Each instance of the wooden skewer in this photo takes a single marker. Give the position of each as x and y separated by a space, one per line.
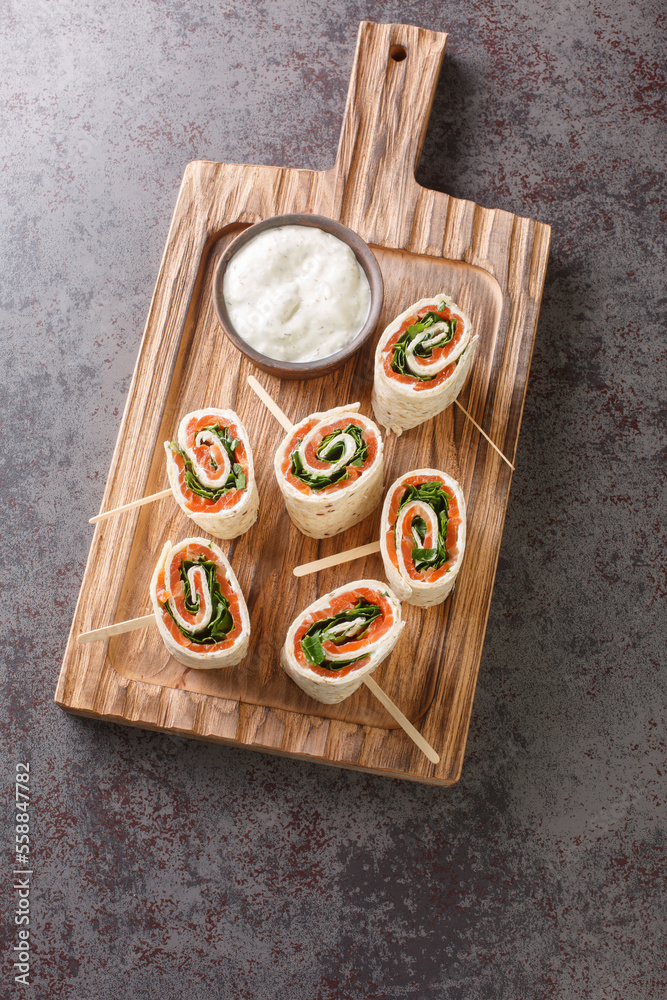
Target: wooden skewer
338 557
128 506
404 723
485 435
362 550
129 626
284 420
281 417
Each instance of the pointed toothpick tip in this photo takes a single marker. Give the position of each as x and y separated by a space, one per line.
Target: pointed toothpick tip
485 435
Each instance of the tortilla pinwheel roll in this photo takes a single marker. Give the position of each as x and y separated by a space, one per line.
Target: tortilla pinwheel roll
423 536
199 607
421 362
337 640
329 469
211 472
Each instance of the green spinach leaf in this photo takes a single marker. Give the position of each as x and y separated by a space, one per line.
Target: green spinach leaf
328 451
399 361
236 480
221 623
333 630
431 493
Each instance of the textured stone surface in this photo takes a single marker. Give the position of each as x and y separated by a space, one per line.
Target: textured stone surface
172 868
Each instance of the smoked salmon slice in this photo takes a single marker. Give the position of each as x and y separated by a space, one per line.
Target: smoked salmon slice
329 468
211 472
421 363
199 606
340 638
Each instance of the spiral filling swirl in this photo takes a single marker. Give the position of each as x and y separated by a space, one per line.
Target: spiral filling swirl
423 529
340 638
420 359
346 633
197 597
211 458
426 347
326 454
332 642
420 522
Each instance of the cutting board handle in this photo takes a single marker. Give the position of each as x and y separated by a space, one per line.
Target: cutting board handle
395 73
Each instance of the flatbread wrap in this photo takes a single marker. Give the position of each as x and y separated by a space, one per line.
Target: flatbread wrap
211 472
329 469
198 605
340 638
423 535
421 363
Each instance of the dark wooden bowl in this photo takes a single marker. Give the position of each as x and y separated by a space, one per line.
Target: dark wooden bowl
305 369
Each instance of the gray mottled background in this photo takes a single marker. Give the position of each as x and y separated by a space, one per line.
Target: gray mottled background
170 868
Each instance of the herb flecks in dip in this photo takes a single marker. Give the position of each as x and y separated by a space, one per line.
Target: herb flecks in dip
296 293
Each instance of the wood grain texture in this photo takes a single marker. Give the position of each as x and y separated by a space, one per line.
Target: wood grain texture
493 264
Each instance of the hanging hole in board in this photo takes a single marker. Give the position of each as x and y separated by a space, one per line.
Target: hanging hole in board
398 53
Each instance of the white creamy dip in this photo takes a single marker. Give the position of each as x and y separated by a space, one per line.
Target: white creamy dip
296 293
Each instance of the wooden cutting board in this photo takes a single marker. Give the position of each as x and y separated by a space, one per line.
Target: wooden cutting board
493 264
